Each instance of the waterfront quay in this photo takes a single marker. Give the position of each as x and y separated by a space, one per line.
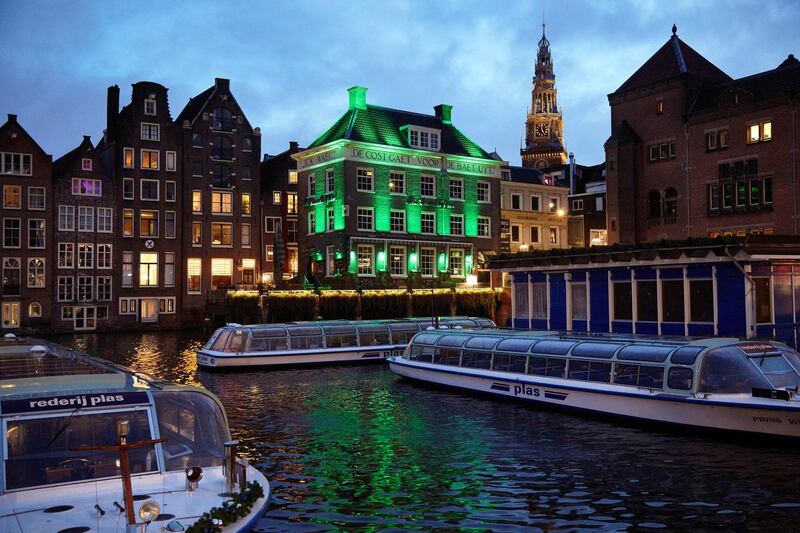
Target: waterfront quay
356 448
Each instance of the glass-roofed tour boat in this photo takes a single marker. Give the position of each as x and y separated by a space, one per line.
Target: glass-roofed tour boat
715 383
93 446
337 341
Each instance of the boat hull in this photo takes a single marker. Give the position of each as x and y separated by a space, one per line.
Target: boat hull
23 511
739 413
212 359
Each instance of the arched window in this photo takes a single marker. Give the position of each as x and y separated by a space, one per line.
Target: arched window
670 202
222 148
654 204
11 276
221 176
222 119
35 272
34 310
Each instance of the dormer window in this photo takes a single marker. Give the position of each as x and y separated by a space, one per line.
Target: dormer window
150 106
425 138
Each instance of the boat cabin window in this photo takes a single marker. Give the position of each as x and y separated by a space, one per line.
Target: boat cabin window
221 340
402 332
305 338
269 339
426 338
42 451
476 360
237 341
421 352
509 363
194 427
596 349
454 341
554 367
777 370
482 343
340 336
463 322
515 345
680 378
373 335
447 356
686 355
638 352
727 370
651 377
589 370
553 347
485 323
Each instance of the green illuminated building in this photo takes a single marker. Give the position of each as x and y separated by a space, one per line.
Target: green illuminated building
389 194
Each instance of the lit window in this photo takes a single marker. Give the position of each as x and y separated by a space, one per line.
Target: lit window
221 234
365 257
221 273
127 222
427 261
276 197
246 205
246 235
127 158
66 255
197 201
34 310
221 202
148 269
193 270
397 183
36 272
149 159
12 197
760 131
292 176
291 203
553 235
364 180
457 263
270 252
148 223
197 233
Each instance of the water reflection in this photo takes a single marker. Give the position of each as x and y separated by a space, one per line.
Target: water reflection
355 448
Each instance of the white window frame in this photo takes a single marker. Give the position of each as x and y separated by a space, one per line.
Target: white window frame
402 181
371 178
488 221
149 127
421 226
488 185
171 161
44 273
19 233
577 205
128 189
359 246
67 251
141 190
44 233
105 220
85 219
125 152
199 262
43 190
396 211
142 151
150 107
71 296
456 216
158 223
173 186
87 255
450 184
422 252
101 262
433 185
361 211
403 261
212 234
330 180
167 233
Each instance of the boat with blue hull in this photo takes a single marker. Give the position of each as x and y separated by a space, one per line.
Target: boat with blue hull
93 446
712 383
339 341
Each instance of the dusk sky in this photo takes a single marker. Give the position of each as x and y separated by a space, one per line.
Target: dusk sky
290 64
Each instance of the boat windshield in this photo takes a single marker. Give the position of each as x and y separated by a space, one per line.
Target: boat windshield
44 451
727 370
777 370
194 427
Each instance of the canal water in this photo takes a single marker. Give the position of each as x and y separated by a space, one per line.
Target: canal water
355 448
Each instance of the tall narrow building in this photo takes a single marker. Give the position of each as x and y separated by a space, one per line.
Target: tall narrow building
544 126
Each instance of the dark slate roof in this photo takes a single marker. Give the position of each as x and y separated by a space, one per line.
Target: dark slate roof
588 174
674 58
526 175
65 162
773 245
195 106
381 125
784 80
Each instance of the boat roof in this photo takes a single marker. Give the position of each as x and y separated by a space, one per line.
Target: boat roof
464 321
34 367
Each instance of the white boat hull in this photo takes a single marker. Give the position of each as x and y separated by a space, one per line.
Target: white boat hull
732 412
23 511
213 359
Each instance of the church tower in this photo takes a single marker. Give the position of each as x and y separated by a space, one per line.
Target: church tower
544 127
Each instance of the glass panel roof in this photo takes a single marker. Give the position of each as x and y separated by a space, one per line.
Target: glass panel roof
482 343
686 355
638 352
515 345
404 326
454 341
340 330
553 347
426 338
372 328
24 365
596 349
268 332
298 331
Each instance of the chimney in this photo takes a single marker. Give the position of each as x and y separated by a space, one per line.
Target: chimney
358 97
571 173
293 146
222 84
12 118
444 112
112 109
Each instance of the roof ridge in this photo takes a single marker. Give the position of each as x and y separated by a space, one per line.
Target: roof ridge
350 125
676 43
401 111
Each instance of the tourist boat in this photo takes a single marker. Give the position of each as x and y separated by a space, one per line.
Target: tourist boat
93 446
716 383
336 341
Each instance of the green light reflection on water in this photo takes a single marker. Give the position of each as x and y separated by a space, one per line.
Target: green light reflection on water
374 453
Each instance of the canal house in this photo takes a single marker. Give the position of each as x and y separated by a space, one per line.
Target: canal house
735 287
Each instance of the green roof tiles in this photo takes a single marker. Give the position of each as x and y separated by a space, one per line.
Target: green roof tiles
381 125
